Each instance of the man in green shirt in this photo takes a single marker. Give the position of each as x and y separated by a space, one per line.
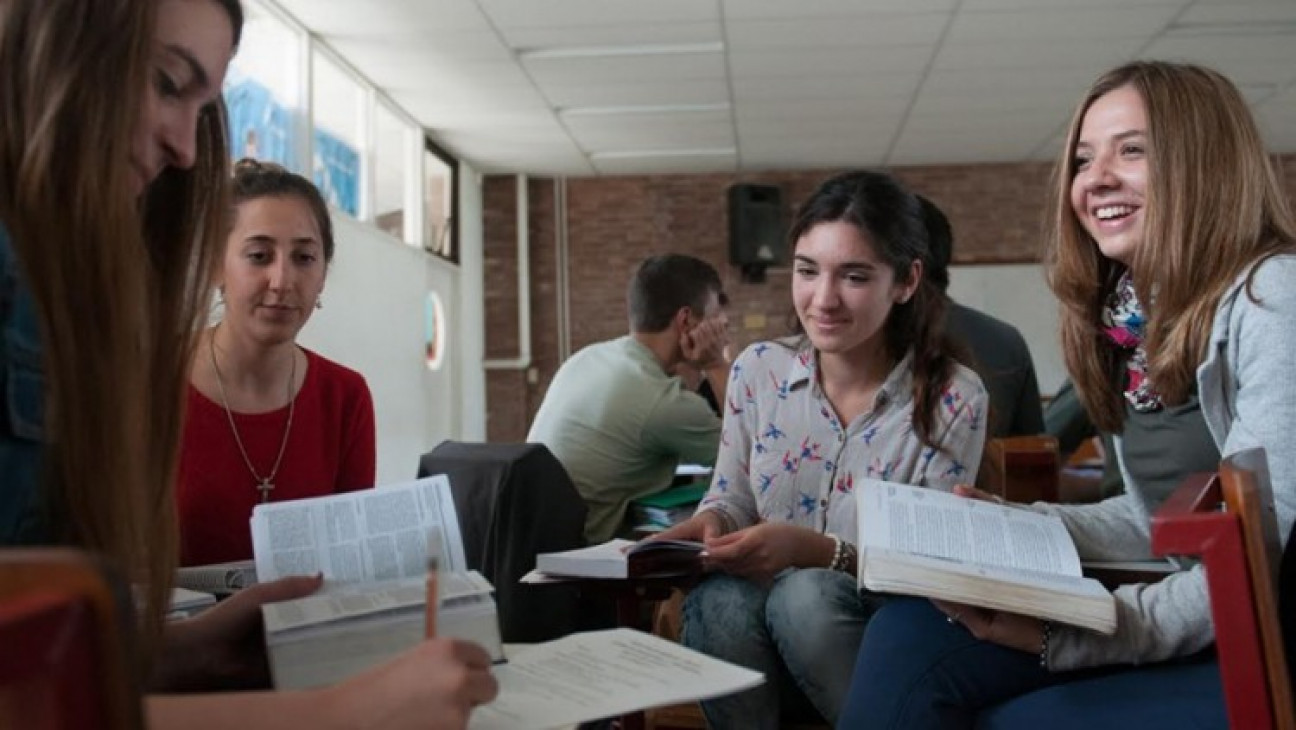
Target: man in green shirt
615 414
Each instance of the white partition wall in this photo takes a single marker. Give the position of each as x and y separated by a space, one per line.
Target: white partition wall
1019 295
373 321
471 350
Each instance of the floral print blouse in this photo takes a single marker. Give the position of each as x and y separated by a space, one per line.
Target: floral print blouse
785 456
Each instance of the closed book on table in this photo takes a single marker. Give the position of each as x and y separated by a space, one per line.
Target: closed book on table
625 559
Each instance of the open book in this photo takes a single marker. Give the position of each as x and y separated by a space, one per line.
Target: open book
220 579
624 559
372 547
925 542
600 674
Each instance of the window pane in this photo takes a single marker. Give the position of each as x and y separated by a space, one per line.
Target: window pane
262 90
338 104
438 199
392 150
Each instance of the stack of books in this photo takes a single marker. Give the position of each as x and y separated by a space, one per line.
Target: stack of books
665 509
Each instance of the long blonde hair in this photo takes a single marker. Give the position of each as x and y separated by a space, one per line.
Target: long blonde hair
1213 208
121 284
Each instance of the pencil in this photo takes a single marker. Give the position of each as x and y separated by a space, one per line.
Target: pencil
433 582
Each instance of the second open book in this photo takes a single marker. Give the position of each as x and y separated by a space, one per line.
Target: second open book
925 542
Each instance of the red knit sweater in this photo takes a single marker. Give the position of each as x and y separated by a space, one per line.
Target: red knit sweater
330 449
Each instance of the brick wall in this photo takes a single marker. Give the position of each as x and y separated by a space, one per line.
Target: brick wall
613 223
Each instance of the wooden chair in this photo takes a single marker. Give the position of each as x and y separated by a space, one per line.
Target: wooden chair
63 628
1021 468
1228 521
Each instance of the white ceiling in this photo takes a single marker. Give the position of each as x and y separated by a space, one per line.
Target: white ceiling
585 87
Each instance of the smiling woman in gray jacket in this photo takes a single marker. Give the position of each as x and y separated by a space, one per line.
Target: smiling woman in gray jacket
1172 254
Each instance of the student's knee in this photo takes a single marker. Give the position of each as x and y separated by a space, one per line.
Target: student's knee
811 600
720 611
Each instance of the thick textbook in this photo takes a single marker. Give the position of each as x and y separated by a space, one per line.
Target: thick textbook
372 547
322 639
624 559
925 542
219 579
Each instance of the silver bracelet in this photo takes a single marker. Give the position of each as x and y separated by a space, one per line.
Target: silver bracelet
843 554
1047 627
837 552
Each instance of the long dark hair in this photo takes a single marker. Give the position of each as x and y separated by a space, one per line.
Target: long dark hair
891 218
123 278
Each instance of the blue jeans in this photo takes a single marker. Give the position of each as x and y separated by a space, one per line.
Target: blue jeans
916 671
802 633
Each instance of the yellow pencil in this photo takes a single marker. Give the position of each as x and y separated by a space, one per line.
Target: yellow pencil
433 581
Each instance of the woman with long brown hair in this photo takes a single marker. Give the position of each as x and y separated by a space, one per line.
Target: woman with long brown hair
1172 247
868 388
112 183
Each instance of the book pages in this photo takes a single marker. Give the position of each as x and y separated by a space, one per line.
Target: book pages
363 536
944 525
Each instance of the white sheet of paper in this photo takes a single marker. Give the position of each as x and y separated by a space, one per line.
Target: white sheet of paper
600 674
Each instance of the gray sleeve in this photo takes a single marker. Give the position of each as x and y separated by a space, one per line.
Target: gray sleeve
1154 622
1113 529
1260 387
1172 618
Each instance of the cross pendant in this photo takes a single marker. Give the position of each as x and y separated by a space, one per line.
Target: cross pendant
265 487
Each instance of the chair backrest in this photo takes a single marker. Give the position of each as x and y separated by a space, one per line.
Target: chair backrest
1021 468
514 501
1228 521
64 632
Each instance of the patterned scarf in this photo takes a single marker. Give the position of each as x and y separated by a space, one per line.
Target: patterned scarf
1123 322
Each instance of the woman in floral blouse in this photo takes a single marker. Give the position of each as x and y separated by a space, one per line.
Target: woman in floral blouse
867 389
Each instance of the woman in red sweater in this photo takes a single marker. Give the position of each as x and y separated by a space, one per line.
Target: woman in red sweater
268 420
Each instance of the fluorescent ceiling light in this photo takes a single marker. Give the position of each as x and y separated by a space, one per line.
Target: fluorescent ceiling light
599 111
657 49
648 154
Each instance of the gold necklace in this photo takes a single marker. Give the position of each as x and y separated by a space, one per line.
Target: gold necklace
265 484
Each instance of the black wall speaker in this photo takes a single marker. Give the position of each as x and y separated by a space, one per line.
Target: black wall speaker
757 234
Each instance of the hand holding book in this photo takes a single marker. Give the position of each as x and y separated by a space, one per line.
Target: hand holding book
762 551
924 542
1015 631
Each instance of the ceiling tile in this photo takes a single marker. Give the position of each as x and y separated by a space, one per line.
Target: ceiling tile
863 61
885 89
766 9
651 131
509 14
625 69
1231 13
869 30
1037 54
1070 22
976 5
816 83
386 17
620 34
1251 59
664 165
641 93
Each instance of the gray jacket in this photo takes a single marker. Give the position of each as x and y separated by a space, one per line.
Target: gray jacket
1248 396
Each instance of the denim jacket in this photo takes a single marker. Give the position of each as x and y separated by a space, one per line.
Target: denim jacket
22 406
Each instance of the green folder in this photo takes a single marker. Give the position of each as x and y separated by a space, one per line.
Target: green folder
675 496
